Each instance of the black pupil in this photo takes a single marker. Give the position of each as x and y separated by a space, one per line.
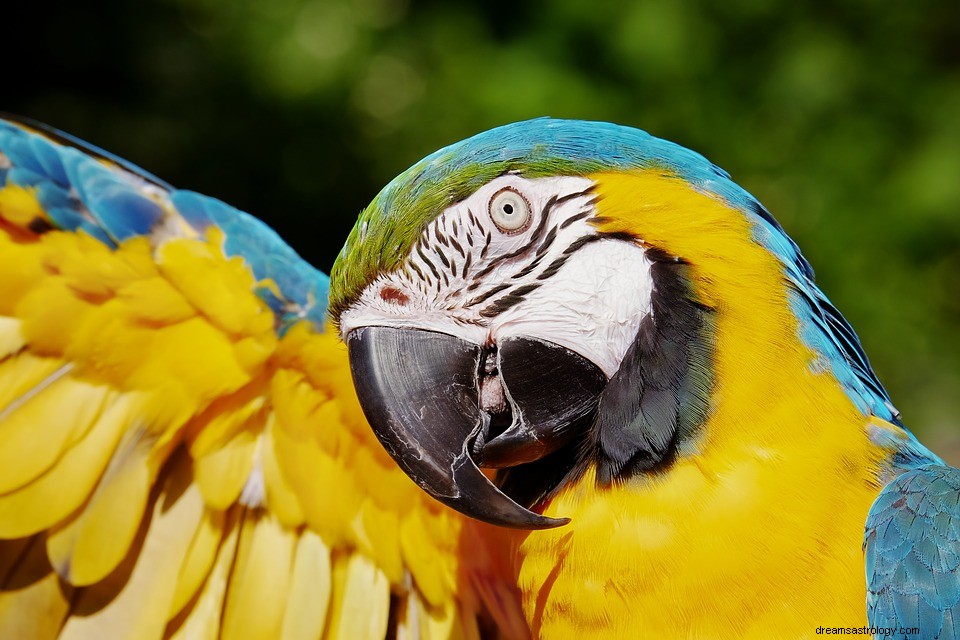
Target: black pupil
508 208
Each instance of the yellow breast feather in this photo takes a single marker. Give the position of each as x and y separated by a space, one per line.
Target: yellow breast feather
756 530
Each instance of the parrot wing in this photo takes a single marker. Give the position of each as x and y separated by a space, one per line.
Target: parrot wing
912 552
182 454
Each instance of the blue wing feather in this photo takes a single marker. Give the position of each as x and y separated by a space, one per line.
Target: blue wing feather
52 139
912 554
85 188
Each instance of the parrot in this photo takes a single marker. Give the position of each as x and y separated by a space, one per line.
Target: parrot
637 354
565 380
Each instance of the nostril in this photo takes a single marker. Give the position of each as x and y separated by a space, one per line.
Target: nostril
394 296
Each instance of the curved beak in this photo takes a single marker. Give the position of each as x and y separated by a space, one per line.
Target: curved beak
550 389
419 390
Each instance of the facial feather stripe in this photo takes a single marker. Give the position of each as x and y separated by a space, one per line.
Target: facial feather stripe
467 276
448 250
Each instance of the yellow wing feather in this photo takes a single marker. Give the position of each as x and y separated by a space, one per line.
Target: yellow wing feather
174 469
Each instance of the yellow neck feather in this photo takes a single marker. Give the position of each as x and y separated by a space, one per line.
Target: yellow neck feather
756 533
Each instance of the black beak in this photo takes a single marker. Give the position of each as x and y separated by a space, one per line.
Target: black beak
550 389
419 391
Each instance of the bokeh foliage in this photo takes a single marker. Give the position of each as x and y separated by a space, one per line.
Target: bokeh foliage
844 120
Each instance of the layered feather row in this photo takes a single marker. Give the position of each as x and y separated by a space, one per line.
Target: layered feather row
171 468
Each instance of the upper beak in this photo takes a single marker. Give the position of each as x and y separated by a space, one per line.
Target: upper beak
419 390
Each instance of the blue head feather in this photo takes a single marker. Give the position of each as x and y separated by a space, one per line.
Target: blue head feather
386 230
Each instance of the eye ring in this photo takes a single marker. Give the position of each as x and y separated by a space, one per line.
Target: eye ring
510 211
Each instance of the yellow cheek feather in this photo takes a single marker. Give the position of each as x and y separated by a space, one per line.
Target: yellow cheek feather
759 533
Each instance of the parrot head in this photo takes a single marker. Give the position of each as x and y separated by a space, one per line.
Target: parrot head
529 301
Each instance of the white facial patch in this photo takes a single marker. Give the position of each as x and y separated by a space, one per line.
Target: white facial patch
592 306
553 278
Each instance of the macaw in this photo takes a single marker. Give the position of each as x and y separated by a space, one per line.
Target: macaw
638 354
679 435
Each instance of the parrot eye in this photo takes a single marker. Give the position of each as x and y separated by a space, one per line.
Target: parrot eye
509 210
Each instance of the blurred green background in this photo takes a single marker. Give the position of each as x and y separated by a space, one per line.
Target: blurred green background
843 120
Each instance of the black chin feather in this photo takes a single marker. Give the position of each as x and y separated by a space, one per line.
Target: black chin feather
655 401
660 394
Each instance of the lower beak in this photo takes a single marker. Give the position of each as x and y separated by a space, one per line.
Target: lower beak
419 391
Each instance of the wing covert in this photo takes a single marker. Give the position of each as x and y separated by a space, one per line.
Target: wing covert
912 552
180 435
